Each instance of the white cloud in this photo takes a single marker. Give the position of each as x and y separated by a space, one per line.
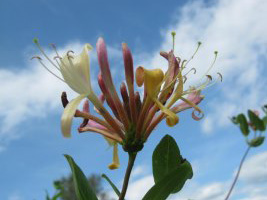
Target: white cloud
138 188
33 92
255 169
238 30
251 185
15 196
139 171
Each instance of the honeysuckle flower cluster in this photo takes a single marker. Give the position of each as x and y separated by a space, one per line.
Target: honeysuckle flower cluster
132 117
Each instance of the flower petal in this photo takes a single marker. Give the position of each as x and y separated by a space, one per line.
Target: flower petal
68 114
75 71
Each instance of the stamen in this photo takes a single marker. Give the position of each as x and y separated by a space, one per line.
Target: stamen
192 57
192 69
68 54
183 64
35 40
115 162
55 58
36 57
209 77
195 117
185 78
173 39
40 61
55 48
213 63
220 75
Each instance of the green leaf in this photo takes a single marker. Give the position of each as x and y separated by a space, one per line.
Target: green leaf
57 185
47 195
234 120
175 178
265 120
57 196
111 184
243 124
166 157
256 141
82 188
264 108
256 121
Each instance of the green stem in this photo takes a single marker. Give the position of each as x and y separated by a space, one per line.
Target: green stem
131 160
237 174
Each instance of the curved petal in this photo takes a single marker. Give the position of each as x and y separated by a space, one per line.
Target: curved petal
171 118
76 70
68 114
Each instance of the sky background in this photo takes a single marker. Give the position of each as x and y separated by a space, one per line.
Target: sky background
31 145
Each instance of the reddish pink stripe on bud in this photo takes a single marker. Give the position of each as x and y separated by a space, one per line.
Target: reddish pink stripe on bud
124 93
128 65
138 102
129 75
101 97
105 71
125 97
103 61
107 96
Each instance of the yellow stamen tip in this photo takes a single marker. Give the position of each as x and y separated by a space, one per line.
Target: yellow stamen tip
113 166
173 33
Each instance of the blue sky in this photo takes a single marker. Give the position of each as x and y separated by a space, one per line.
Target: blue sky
31 145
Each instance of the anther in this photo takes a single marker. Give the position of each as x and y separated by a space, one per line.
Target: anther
209 77
70 51
185 78
220 75
36 57
68 54
64 99
55 57
183 64
192 57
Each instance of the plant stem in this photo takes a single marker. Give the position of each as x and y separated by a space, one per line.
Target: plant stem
131 160
237 174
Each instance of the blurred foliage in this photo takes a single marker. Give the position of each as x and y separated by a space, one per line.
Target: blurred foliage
253 122
65 188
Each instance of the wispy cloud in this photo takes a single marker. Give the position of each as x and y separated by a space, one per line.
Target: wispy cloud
238 30
251 185
30 92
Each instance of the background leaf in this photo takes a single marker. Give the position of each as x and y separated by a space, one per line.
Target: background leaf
176 178
82 188
256 141
256 121
243 124
111 184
